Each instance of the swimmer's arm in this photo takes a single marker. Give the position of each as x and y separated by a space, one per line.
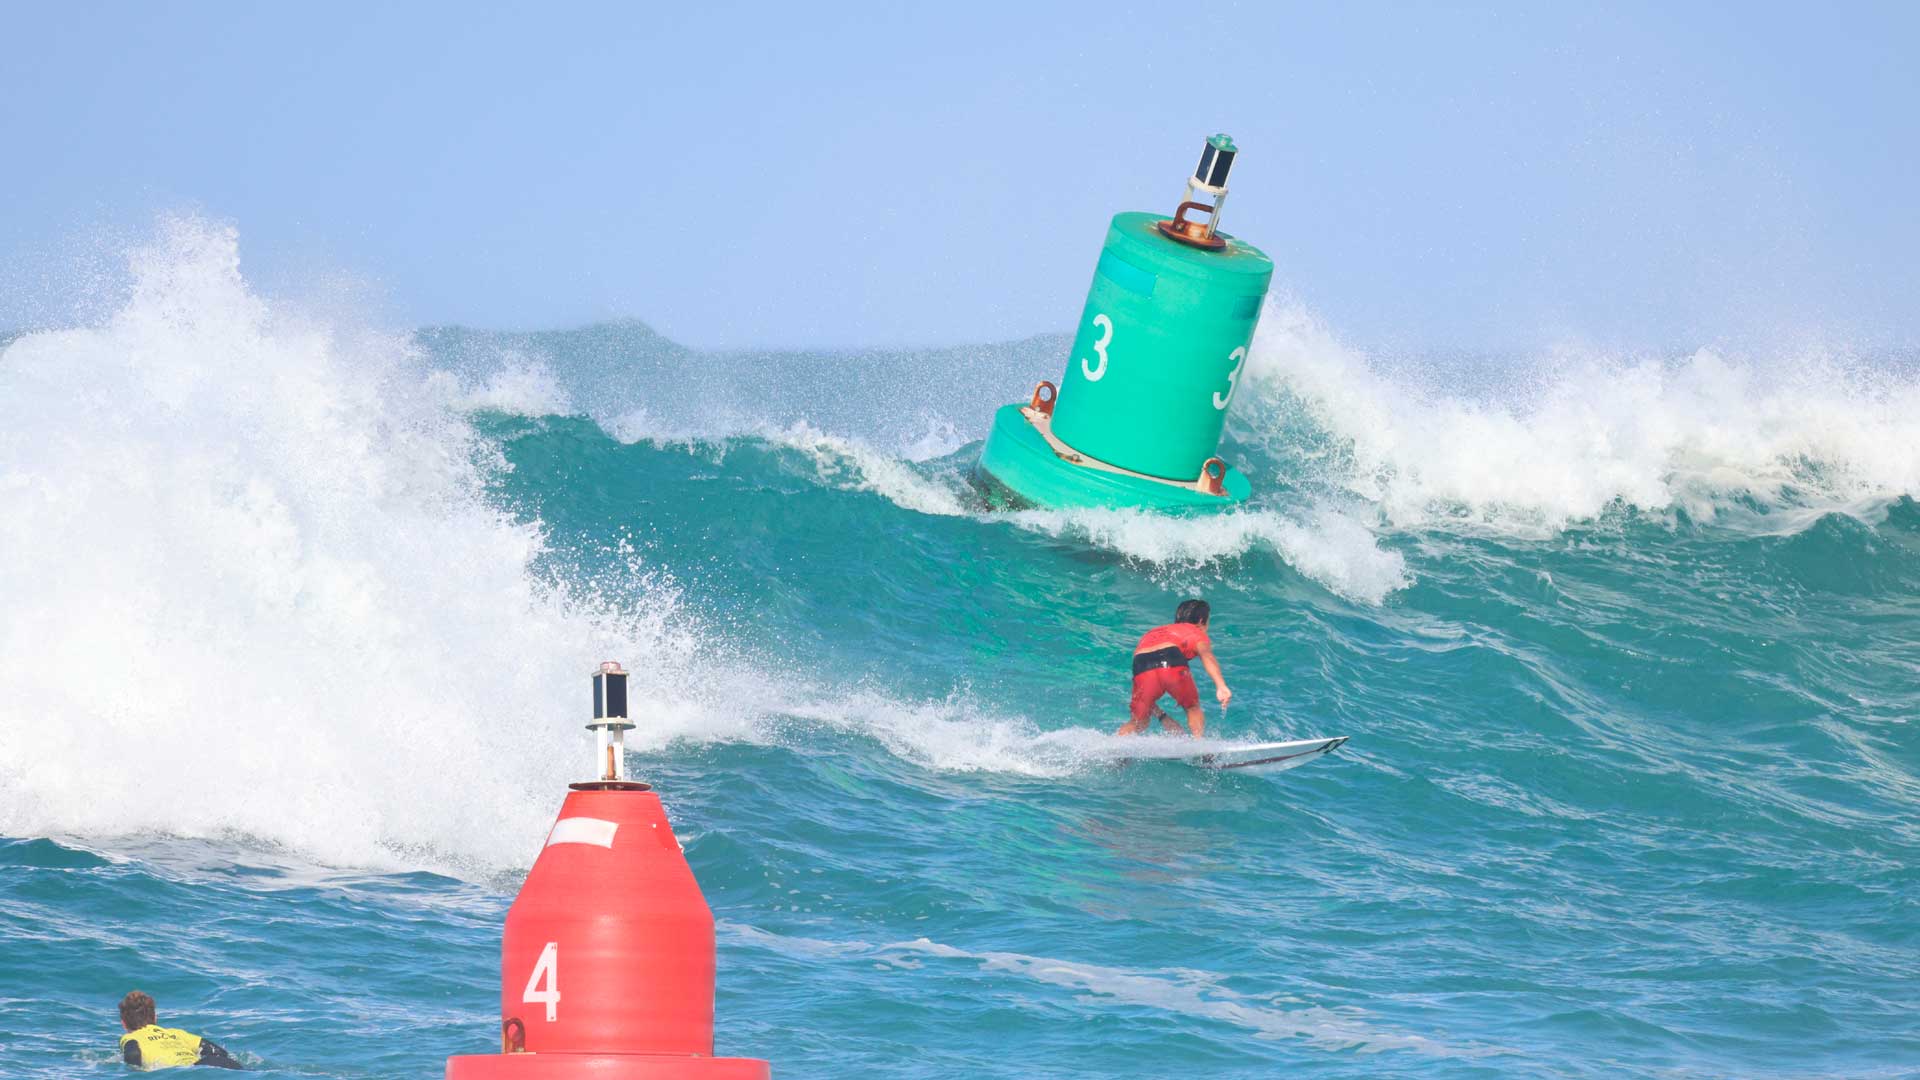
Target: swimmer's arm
131 1053
1220 690
215 1055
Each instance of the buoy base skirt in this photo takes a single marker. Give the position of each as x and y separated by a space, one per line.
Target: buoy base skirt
603 1067
1018 470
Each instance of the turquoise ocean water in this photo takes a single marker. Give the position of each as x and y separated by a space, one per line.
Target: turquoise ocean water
295 619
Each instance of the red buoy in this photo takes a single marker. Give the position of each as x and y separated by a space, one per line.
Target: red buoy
607 962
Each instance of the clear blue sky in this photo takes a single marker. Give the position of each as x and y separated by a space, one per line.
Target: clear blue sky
1656 175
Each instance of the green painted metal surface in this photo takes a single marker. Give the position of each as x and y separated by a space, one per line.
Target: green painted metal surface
1160 348
1019 470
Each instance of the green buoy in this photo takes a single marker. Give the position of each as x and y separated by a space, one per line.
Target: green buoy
1155 365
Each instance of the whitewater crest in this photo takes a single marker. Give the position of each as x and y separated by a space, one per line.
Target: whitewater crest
1337 548
250 554
1334 545
1566 439
847 462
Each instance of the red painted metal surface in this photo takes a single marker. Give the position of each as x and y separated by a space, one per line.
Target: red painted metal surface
607 962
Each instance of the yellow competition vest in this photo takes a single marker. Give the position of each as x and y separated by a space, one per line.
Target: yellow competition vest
164 1048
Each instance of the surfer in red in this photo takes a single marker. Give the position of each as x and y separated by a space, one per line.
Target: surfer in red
1160 667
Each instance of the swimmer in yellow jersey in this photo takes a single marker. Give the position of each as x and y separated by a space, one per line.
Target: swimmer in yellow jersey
147 1045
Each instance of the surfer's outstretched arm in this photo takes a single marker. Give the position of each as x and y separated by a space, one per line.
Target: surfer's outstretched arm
1220 691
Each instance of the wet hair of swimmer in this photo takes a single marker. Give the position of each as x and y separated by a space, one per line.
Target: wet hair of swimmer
136 1011
1193 611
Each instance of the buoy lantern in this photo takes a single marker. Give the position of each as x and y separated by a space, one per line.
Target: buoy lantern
607 960
1155 365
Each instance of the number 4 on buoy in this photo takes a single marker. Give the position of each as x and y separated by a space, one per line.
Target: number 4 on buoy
546 968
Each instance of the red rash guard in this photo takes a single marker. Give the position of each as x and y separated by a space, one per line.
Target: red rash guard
1186 636
1177 680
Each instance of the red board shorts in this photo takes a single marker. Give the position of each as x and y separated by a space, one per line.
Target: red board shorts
1150 684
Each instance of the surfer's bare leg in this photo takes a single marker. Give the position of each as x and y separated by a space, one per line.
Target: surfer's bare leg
1196 721
1166 722
1133 727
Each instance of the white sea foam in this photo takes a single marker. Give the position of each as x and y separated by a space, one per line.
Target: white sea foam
1335 548
1185 991
524 387
1580 434
953 734
847 462
1191 992
852 463
644 425
938 438
251 587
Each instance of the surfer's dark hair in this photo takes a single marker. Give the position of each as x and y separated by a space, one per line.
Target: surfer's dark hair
1193 611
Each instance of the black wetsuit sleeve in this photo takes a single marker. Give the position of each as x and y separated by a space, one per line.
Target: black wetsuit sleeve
130 1053
215 1055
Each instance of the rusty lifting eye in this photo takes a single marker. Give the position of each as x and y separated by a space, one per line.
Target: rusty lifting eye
1044 396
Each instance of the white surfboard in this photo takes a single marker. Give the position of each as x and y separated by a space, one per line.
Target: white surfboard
1266 757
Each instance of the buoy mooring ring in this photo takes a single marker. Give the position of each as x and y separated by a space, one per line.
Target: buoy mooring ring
1213 476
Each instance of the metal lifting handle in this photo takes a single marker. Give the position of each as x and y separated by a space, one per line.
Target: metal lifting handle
1213 477
1193 232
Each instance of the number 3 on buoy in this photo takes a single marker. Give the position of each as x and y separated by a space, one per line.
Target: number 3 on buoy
547 968
1093 374
1239 358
